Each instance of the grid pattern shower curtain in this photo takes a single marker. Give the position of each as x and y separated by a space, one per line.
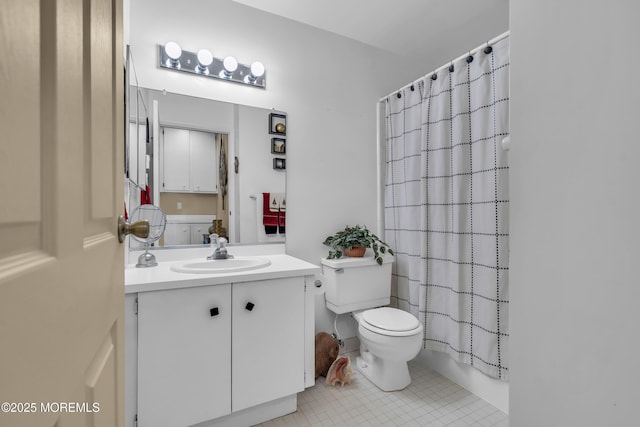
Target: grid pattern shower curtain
447 207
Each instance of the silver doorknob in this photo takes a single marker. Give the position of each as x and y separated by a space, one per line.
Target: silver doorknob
138 229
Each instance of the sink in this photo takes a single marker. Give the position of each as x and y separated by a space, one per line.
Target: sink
213 266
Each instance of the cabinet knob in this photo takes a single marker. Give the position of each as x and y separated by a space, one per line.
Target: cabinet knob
214 311
249 306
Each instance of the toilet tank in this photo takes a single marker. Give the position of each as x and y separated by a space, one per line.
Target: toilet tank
356 283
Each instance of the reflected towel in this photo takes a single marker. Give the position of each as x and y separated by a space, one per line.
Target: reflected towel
269 218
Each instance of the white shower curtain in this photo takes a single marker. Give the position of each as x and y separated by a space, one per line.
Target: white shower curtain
447 207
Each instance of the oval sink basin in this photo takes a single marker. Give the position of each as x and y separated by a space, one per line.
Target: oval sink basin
213 266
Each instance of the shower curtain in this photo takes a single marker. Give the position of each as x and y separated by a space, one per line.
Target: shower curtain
447 206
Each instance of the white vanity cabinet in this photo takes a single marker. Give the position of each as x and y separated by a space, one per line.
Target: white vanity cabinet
209 351
187 229
189 161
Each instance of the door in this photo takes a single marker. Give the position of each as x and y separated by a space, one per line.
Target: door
175 164
184 356
197 233
61 167
203 166
267 341
177 234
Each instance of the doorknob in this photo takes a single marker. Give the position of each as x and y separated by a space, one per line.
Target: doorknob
138 229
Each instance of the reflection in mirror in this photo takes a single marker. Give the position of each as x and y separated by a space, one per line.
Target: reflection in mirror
211 163
137 130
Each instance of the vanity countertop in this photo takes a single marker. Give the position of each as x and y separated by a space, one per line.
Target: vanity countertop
163 277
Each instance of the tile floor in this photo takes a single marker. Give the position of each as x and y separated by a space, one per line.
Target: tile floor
430 400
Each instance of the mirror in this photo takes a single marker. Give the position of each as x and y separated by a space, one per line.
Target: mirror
213 160
136 130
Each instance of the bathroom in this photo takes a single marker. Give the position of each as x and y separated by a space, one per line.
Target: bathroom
574 207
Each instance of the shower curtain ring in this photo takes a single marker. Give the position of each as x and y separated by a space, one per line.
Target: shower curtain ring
469 58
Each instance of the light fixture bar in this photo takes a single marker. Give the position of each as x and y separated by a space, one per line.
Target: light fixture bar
188 63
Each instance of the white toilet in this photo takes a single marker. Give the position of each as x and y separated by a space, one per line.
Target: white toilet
389 337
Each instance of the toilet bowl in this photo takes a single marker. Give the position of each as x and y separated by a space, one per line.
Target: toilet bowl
389 338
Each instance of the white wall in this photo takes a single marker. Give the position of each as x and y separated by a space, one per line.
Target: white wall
575 126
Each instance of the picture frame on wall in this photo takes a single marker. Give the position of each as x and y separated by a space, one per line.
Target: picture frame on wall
279 163
277 124
278 146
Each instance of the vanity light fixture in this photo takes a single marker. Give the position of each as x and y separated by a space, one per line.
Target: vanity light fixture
173 52
203 63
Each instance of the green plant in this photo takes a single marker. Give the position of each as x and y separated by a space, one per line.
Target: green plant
356 236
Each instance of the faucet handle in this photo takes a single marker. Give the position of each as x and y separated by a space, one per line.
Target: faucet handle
221 242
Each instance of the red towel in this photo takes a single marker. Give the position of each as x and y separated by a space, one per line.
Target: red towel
269 219
145 196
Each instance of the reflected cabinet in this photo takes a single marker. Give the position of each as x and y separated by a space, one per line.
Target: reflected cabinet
188 163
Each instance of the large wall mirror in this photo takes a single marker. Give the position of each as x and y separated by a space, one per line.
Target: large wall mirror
208 160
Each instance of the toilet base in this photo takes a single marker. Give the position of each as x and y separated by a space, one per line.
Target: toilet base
386 375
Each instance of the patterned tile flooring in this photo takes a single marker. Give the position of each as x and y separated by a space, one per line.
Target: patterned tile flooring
430 400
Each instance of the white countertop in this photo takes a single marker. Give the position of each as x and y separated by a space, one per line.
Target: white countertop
163 277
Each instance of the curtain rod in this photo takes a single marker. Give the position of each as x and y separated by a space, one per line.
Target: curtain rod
471 52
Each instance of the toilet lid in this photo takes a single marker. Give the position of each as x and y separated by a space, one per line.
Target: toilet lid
391 319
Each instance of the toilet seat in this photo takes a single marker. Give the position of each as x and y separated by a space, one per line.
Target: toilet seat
390 322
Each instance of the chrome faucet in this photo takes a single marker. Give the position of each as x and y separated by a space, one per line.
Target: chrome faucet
221 250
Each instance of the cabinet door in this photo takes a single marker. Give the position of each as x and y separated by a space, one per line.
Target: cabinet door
267 341
175 167
184 355
197 230
177 234
203 165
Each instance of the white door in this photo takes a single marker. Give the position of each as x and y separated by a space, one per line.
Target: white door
61 167
184 356
177 234
203 164
267 341
197 232
175 164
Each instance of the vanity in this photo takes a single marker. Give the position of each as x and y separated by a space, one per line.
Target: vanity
215 344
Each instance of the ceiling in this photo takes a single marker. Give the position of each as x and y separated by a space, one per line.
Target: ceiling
403 27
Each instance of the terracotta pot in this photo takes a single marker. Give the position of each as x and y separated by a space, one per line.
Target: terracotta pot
357 251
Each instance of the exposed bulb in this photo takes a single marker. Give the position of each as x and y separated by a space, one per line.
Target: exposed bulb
205 58
173 51
257 69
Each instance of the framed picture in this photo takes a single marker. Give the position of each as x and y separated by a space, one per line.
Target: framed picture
277 124
278 146
279 163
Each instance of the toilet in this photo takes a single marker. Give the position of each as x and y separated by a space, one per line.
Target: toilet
389 337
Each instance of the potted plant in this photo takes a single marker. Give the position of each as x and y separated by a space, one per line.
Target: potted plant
354 241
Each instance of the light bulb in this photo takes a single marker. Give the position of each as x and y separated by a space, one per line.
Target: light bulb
230 65
205 58
257 69
173 51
